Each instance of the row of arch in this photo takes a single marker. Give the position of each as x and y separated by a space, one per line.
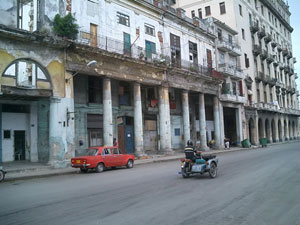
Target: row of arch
273 130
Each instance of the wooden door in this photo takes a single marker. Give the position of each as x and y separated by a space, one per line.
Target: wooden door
127 44
209 60
94 33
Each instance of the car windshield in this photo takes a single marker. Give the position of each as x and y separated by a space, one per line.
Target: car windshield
90 151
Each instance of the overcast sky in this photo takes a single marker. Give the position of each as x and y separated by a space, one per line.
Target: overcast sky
295 23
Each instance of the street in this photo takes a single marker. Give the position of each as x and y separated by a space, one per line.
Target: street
259 186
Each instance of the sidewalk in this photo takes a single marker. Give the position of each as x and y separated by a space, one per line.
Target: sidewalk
26 170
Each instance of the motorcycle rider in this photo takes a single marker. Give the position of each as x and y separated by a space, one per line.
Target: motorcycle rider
189 150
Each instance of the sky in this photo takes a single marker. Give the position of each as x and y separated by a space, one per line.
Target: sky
295 23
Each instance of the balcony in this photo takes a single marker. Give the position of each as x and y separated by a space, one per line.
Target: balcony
285 52
235 50
270 58
274 44
279 48
291 71
254 27
224 45
256 50
261 33
192 67
289 55
294 60
233 98
268 38
260 76
273 107
296 76
264 54
281 65
230 70
272 81
275 63
279 84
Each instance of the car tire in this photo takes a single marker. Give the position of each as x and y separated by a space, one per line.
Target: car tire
2 175
213 170
83 170
100 168
129 163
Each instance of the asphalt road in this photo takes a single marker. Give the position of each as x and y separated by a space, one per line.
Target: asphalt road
256 187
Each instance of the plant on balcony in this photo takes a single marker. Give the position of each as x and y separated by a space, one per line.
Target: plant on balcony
65 26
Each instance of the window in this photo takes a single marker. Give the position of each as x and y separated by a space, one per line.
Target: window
95 129
123 19
175 50
222 8
230 39
243 34
241 10
149 29
94 90
6 134
222 58
150 49
200 13
246 61
207 11
219 32
262 10
193 53
27 15
193 13
258 94
26 72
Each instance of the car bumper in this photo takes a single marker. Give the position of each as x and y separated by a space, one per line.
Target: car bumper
81 165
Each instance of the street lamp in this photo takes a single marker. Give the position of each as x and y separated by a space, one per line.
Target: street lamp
89 64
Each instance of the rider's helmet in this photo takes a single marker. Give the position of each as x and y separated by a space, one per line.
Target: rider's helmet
189 143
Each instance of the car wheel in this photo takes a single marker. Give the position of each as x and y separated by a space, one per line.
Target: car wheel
213 170
84 170
184 173
2 175
100 168
129 163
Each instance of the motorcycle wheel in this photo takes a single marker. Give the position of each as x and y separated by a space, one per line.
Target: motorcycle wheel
213 170
2 175
184 174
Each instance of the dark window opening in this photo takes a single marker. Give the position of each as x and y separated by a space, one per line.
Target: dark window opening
222 8
6 134
124 94
94 90
175 50
207 11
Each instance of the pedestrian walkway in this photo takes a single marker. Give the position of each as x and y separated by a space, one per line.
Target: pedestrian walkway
24 170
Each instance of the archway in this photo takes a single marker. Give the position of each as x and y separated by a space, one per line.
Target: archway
268 131
273 130
260 129
285 131
280 130
251 131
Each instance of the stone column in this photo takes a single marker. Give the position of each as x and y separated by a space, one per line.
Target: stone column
186 116
281 138
33 132
107 113
194 125
239 125
217 137
164 120
256 133
56 144
202 120
138 121
263 128
222 132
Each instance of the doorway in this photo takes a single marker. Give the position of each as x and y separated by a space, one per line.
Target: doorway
19 145
126 135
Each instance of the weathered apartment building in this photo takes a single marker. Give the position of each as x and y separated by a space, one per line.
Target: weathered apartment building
264 33
156 82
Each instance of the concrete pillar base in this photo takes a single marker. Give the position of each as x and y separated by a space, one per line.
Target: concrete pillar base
166 152
59 164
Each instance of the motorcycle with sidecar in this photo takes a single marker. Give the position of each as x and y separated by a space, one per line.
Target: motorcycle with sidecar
197 163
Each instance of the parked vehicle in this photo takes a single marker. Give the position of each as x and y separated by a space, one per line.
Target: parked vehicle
2 174
100 158
196 163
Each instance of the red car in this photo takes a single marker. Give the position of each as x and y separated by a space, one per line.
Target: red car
101 157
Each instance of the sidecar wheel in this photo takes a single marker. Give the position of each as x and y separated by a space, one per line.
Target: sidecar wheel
213 170
2 175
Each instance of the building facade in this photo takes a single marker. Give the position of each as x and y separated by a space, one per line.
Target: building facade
264 34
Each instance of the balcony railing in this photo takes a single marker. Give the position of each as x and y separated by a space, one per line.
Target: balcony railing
256 50
139 53
230 70
270 58
268 38
233 98
261 33
254 27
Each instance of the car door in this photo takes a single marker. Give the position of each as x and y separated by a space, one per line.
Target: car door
107 157
117 156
